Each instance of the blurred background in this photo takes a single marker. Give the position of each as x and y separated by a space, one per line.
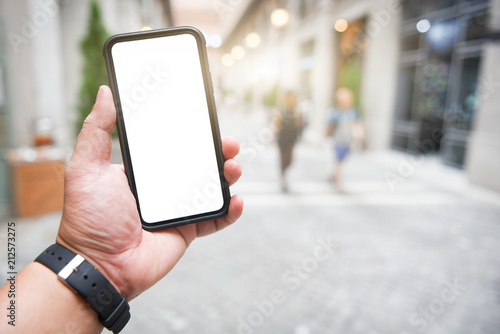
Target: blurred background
408 246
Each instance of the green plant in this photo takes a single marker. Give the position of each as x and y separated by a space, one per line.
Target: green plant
248 96
94 67
271 98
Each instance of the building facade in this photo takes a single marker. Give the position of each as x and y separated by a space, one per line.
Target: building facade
423 71
433 91
41 64
308 55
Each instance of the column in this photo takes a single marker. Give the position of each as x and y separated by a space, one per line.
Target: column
483 152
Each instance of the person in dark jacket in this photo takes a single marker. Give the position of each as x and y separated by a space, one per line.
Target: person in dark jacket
287 124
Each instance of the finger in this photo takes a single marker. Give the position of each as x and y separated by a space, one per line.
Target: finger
230 147
234 212
93 145
232 171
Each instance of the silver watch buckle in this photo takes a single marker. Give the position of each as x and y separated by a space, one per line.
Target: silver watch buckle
70 268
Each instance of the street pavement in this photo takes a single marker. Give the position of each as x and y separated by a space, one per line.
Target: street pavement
408 247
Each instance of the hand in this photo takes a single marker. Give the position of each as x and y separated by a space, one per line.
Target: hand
100 218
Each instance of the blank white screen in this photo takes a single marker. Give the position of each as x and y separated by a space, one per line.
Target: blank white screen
168 128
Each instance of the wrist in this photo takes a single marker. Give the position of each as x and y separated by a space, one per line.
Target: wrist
63 311
92 257
83 278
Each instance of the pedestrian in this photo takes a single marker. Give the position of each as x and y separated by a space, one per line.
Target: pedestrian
305 108
346 129
287 124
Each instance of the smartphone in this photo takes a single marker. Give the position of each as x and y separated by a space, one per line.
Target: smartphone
167 125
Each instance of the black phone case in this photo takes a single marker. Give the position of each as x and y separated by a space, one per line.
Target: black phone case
207 79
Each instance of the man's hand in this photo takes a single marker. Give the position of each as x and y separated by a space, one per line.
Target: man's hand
100 218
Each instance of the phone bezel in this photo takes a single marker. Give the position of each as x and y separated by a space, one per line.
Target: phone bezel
122 135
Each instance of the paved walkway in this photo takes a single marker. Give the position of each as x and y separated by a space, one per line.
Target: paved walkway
410 247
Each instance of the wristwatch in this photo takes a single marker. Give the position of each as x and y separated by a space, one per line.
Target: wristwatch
85 280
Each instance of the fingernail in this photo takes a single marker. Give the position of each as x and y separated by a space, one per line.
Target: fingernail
99 94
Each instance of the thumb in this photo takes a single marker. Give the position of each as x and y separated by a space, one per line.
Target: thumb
93 145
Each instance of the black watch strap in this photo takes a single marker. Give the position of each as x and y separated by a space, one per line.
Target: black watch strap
84 279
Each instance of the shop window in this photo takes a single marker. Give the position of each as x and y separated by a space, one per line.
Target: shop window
405 93
467 98
442 38
412 9
454 153
476 2
411 42
460 116
438 76
476 27
434 5
433 88
400 141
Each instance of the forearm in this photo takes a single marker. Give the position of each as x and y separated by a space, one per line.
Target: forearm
45 305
